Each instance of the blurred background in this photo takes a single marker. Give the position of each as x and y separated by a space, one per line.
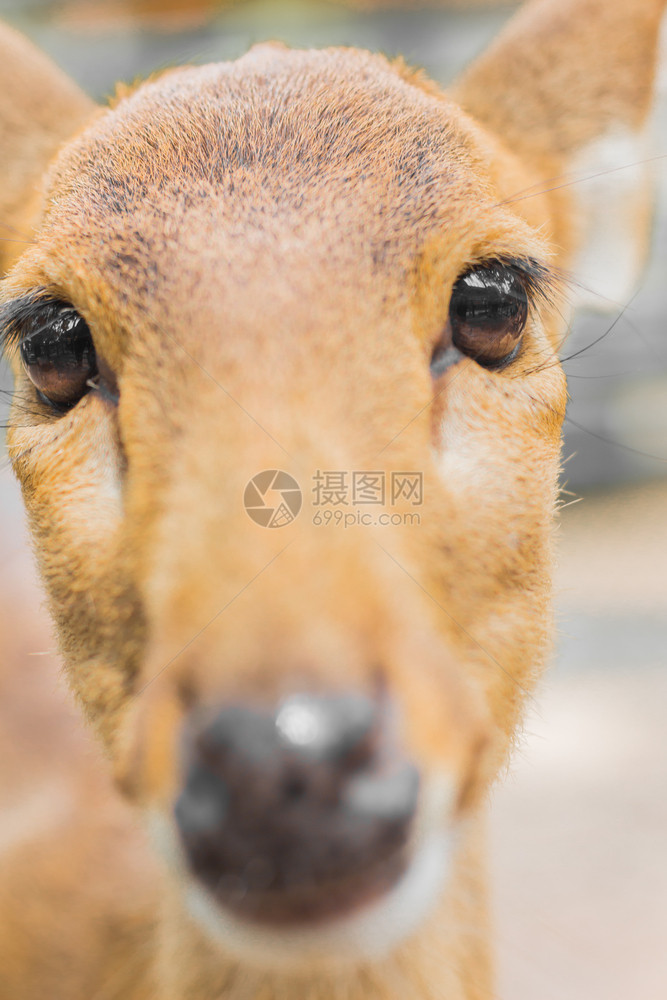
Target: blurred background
579 829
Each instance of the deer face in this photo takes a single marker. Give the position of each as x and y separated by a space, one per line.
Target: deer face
299 262
295 266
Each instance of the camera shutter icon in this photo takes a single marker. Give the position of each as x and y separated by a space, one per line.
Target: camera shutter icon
272 498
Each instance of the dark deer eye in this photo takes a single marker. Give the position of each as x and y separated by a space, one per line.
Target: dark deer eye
58 354
487 314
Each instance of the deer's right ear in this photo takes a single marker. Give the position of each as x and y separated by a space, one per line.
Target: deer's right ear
568 87
40 108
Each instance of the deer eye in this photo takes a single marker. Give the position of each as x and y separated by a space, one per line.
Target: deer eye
58 354
487 314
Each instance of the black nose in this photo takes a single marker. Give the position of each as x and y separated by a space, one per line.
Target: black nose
299 813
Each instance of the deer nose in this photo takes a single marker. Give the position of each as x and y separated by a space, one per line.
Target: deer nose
299 813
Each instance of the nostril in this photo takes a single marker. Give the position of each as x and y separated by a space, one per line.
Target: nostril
201 807
245 733
294 788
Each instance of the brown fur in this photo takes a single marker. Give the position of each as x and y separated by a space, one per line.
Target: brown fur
265 251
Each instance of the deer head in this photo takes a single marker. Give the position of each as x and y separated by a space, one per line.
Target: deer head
309 283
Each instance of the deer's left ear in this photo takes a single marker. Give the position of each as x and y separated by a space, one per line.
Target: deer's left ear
568 87
40 107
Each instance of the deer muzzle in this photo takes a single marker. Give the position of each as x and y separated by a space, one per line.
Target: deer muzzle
299 812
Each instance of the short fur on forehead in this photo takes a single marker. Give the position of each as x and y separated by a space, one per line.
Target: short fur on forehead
358 161
301 115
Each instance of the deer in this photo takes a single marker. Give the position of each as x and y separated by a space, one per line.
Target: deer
231 280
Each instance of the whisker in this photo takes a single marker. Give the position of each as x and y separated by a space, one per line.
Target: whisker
25 406
615 444
553 361
570 503
602 336
28 411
